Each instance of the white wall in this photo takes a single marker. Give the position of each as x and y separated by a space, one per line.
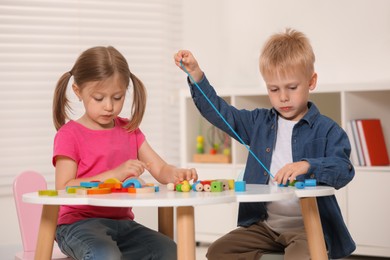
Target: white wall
351 38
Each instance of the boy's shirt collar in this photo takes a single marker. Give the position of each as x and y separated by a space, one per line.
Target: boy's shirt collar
309 117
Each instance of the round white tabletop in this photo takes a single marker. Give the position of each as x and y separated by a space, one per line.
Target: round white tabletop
162 198
165 198
262 193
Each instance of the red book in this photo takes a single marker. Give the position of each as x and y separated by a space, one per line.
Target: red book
373 142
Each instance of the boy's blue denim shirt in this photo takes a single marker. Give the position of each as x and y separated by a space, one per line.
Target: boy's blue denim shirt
315 138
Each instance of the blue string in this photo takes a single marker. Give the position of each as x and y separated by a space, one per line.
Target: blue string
224 120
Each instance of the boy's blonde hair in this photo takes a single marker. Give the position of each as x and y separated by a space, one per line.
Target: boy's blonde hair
97 64
287 52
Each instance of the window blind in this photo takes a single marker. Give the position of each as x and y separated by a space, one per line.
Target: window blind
40 40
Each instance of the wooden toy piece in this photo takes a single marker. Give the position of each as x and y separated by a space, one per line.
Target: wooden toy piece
178 187
62 192
310 182
292 183
185 187
94 191
231 184
171 186
288 183
143 183
299 185
72 189
225 183
226 151
146 190
240 186
111 185
216 186
48 193
81 191
133 182
112 180
200 144
141 190
213 151
206 185
214 139
155 187
197 186
89 184
119 190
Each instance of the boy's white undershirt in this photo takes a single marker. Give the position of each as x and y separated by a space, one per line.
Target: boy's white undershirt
284 215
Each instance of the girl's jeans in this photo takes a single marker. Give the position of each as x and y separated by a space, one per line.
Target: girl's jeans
100 238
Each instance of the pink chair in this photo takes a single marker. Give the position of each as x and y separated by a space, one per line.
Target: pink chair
29 215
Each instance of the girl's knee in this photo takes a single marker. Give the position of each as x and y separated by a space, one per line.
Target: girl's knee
167 250
102 252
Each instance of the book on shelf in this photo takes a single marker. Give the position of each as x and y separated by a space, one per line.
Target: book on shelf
355 158
367 138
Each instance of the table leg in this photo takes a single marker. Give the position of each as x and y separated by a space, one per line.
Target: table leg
165 221
185 233
46 232
312 222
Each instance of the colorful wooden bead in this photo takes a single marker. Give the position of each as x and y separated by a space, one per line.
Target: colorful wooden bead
216 186
240 186
310 182
299 185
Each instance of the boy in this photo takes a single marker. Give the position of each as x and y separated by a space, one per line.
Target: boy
294 141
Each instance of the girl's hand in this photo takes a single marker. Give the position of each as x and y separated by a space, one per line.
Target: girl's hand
181 174
290 171
190 64
130 168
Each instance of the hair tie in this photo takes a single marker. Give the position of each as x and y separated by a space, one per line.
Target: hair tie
70 72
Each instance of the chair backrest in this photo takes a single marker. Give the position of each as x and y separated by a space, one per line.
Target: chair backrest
29 215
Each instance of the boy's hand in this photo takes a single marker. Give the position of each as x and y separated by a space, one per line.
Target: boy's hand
290 171
190 64
185 174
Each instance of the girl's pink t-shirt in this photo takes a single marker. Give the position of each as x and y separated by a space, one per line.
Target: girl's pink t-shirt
96 151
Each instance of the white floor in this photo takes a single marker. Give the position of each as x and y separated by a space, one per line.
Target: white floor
8 253
202 249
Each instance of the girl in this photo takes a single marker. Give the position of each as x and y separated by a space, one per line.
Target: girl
101 145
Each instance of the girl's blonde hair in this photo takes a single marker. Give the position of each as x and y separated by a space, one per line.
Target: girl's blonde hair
287 52
97 64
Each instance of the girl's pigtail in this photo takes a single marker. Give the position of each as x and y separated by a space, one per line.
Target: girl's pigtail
139 103
60 101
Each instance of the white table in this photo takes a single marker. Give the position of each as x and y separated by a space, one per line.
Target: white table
184 203
165 200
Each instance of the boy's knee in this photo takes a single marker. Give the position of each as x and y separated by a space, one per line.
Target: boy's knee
215 250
